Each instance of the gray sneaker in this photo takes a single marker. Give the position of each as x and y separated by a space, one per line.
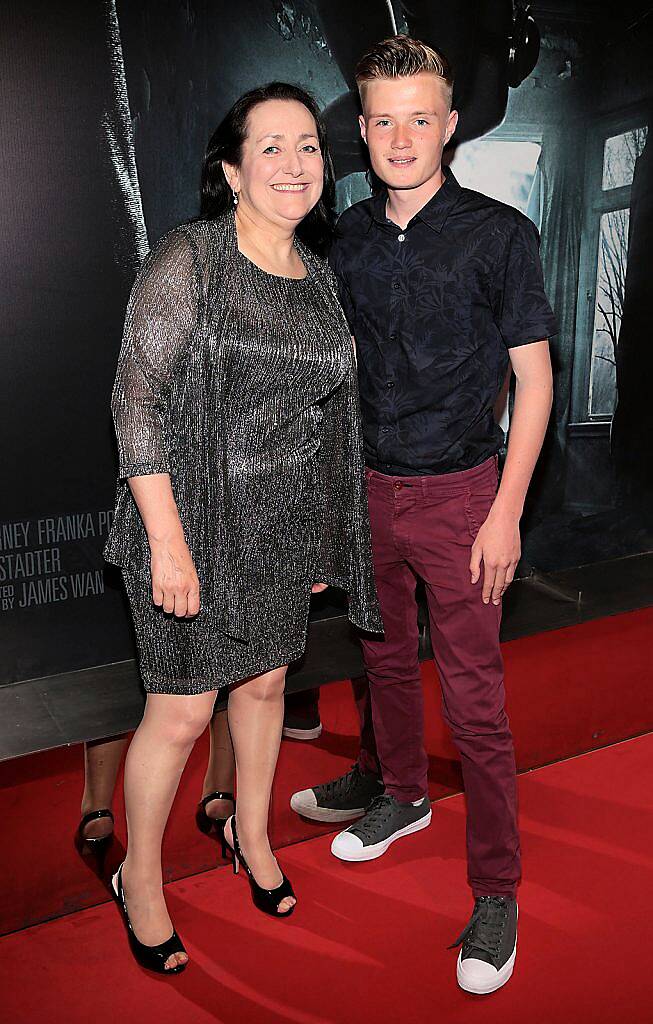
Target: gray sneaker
386 820
340 800
489 945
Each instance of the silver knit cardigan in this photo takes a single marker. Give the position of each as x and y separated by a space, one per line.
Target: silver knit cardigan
173 385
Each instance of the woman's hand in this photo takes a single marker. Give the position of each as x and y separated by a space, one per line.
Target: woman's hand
317 588
175 585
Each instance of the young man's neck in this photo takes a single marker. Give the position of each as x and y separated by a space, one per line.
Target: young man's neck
404 203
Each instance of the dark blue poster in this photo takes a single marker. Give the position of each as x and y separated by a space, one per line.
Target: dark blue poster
107 108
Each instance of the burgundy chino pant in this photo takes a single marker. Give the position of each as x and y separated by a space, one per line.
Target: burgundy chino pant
425 527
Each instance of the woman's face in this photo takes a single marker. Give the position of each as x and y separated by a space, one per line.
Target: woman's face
281 173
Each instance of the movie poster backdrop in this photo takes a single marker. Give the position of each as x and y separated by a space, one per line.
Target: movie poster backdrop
107 107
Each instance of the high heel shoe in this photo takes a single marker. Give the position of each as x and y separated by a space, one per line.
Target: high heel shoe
210 826
97 845
153 958
267 900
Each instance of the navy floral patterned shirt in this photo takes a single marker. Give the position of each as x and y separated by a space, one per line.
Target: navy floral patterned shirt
434 309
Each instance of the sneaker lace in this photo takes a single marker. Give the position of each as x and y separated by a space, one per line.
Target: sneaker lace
342 787
486 926
377 814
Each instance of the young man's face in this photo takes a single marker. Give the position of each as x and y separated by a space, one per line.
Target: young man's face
406 123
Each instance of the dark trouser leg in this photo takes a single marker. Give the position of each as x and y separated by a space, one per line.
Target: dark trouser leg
368 760
392 664
465 637
305 703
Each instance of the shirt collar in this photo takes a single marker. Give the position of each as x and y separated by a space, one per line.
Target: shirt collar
436 210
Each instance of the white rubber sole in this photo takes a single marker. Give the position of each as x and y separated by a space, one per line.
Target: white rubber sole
372 852
324 813
303 734
502 976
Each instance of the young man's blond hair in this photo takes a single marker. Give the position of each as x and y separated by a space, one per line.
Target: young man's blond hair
401 57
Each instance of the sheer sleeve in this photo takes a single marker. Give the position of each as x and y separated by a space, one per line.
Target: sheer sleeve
162 313
346 553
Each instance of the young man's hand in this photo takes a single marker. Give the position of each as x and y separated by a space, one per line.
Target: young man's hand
498 547
498 544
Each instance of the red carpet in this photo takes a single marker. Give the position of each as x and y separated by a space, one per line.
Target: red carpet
368 943
569 690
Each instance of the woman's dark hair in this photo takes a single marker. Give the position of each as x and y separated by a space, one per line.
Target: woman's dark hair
226 144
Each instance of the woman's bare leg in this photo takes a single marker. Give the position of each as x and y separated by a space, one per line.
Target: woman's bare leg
221 767
101 763
256 720
155 761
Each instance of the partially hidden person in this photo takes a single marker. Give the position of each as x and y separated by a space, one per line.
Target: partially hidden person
102 759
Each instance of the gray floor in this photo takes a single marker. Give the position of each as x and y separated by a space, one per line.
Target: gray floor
55 711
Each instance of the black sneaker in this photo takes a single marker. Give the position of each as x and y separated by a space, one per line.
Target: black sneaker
301 717
299 727
339 800
386 820
489 945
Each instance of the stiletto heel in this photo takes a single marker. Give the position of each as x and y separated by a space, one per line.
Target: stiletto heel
213 826
97 845
267 900
153 958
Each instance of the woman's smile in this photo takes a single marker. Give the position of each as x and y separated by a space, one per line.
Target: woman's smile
291 186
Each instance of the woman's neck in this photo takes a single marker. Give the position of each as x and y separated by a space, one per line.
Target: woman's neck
267 244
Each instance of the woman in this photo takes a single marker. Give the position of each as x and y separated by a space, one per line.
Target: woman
241 482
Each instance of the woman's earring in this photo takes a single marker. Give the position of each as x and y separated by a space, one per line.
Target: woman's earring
235 197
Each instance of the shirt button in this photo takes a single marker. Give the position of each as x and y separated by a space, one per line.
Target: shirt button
401 238
396 285
390 384
393 336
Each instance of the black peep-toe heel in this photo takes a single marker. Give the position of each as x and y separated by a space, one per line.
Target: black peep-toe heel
153 958
213 826
267 900
97 845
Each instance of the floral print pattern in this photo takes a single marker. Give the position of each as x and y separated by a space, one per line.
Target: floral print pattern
434 309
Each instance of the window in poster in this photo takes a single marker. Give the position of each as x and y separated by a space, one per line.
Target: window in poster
620 153
613 147
508 170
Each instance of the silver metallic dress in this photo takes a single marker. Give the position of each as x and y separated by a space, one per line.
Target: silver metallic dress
242 386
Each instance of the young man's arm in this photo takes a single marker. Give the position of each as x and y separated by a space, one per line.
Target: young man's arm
498 544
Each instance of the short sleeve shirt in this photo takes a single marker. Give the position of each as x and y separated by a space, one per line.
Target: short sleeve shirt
434 309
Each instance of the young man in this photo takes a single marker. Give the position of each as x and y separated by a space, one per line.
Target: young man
443 290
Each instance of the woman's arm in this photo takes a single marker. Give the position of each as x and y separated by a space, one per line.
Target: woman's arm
175 585
162 313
